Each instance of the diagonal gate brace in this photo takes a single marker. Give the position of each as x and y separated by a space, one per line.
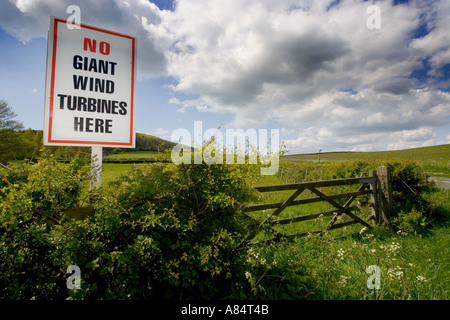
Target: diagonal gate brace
342 209
284 205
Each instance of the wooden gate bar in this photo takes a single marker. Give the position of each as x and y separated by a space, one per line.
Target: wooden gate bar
304 201
342 224
337 205
284 205
315 184
349 201
308 217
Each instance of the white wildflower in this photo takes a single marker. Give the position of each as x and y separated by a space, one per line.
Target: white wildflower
341 253
396 273
421 279
343 280
369 236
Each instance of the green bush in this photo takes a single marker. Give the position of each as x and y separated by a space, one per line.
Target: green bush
164 232
32 198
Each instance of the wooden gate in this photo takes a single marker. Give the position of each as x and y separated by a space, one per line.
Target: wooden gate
377 185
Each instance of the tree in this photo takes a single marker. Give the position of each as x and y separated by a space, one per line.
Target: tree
11 141
7 116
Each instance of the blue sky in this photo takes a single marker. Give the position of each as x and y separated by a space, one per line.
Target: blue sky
313 70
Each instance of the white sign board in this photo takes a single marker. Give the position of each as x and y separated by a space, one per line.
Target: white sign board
90 87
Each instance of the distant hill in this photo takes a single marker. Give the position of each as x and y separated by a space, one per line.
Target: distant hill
146 142
440 152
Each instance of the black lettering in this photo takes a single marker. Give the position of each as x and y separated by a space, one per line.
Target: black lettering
89 124
93 65
99 125
113 65
95 84
61 100
108 125
82 103
85 63
76 62
87 104
99 104
123 110
72 106
103 66
99 85
92 105
109 86
114 107
106 106
79 81
78 124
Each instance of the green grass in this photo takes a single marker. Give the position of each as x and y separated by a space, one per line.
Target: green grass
333 266
441 152
112 171
435 159
132 155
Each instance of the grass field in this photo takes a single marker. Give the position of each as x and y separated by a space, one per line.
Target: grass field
137 155
411 266
435 160
438 153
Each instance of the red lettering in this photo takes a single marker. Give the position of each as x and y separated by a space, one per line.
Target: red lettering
105 48
90 44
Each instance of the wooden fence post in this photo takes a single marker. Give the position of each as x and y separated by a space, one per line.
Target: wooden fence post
374 206
385 192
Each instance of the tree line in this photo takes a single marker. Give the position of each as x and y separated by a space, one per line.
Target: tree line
18 143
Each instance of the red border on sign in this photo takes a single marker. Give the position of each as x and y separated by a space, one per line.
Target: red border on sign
52 87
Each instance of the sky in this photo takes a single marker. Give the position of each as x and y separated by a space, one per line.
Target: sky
321 72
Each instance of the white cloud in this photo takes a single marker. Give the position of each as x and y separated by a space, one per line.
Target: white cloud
297 61
299 64
27 19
